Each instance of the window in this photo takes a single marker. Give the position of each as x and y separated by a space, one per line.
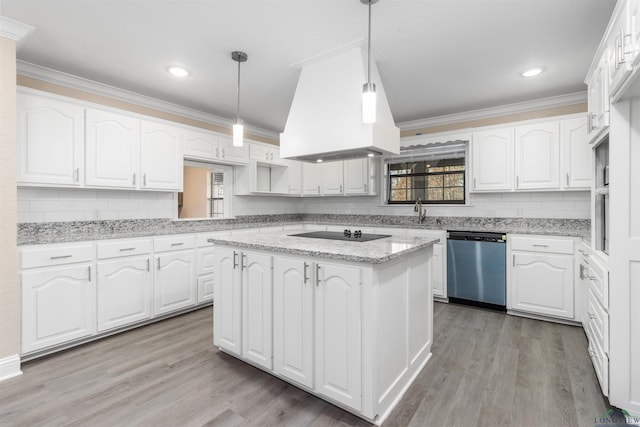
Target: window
434 181
207 190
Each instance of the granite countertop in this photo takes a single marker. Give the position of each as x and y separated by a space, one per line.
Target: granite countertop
371 252
77 231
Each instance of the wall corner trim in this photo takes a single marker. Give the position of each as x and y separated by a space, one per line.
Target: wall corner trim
10 367
13 29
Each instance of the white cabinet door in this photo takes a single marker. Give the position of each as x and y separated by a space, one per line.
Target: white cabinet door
161 157
58 305
356 176
206 268
437 271
293 320
230 154
112 149
50 141
576 154
598 101
542 284
227 294
338 339
332 178
175 282
311 179
538 156
199 145
620 49
257 308
124 292
492 160
295 177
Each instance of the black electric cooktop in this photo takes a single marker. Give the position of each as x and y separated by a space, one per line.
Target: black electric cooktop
346 235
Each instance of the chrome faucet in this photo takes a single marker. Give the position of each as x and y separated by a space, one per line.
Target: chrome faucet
422 213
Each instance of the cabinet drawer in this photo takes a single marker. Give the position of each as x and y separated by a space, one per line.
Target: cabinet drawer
46 255
599 281
542 244
600 362
173 243
123 248
598 322
201 239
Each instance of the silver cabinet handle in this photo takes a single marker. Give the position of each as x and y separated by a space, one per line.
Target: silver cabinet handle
243 262
567 179
177 244
517 182
235 260
271 156
158 263
341 188
365 188
591 315
306 265
148 265
474 183
317 274
144 179
217 152
318 189
89 271
540 245
223 153
61 256
126 249
593 117
77 179
134 179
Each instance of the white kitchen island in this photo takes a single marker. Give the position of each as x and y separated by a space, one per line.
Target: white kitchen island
351 322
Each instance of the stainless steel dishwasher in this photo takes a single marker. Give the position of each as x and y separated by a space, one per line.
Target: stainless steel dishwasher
476 269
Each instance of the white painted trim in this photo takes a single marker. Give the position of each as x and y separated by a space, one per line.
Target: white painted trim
485 113
58 77
10 367
13 29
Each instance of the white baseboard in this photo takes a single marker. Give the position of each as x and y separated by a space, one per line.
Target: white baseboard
10 367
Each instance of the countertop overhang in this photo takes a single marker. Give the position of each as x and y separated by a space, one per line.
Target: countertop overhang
372 252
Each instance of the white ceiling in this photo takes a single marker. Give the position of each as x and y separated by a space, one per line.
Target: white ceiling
437 56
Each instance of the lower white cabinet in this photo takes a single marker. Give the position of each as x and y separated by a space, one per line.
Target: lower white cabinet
174 284
338 334
541 279
243 313
124 291
438 271
293 290
206 267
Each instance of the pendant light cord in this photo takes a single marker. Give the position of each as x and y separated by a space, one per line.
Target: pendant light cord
369 48
238 104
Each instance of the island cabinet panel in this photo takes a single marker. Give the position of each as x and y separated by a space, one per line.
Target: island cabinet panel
227 293
338 333
293 320
256 308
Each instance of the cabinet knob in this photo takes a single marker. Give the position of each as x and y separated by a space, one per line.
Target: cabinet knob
134 179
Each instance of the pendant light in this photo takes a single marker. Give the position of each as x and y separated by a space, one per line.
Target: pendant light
238 129
369 88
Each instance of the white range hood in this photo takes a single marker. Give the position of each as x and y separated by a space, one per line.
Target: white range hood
325 120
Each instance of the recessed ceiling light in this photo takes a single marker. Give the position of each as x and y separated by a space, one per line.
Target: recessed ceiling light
532 72
178 71
319 161
370 155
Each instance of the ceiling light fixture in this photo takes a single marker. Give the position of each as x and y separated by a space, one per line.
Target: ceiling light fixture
178 71
532 72
369 88
238 129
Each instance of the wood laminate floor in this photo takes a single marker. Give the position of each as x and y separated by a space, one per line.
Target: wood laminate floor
487 369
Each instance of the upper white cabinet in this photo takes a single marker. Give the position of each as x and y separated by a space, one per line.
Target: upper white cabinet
230 154
312 179
356 176
161 156
50 141
265 153
295 177
576 154
332 178
492 160
200 145
620 46
537 156
112 149
598 100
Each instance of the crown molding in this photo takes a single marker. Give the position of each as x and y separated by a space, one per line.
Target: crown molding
503 110
28 69
13 29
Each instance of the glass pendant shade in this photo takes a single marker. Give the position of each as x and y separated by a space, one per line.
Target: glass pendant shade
238 132
369 103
